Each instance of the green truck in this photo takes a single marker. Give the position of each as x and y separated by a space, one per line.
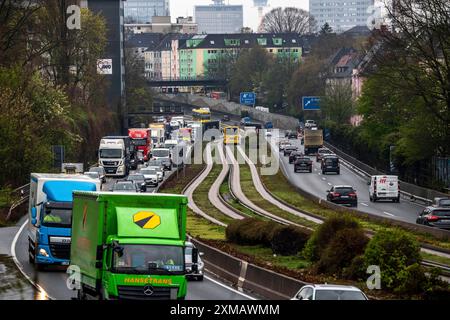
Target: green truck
129 246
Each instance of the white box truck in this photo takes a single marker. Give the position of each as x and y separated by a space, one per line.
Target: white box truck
384 188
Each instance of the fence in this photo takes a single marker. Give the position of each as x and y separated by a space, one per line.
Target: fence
441 171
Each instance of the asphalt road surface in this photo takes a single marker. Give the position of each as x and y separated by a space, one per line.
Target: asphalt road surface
318 184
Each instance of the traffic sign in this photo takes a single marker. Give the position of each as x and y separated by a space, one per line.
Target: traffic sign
311 103
248 98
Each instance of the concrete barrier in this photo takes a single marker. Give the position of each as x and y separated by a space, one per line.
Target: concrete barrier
278 120
416 228
411 190
246 276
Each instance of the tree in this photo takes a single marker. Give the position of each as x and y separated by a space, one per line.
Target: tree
415 60
288 20
326 29
337 104
246 30
223 65
250 70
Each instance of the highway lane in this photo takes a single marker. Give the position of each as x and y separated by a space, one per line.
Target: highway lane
53 280
317 184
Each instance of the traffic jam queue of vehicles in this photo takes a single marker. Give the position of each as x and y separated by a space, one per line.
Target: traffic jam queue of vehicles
130 245
50 212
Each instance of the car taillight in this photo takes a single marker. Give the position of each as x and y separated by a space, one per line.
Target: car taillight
432 218
335 194
353 195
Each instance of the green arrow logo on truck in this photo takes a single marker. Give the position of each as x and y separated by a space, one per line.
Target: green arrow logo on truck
147 219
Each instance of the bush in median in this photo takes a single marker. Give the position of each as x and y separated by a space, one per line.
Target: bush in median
251 231
320 239
341 251
289 240
398 256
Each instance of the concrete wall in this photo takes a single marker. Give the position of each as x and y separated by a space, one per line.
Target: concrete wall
279 121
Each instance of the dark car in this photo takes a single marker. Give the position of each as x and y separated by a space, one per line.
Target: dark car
125 186
330 164
438 217
294 155
303 164
139 180
292 135
226 117
167 164
289 149
345 195
322 152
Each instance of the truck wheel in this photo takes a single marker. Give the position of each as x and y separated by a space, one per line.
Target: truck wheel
80 294
339 172
31 254
199 278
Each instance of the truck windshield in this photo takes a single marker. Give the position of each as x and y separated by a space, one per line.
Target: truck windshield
140 142
149 259
110 153
161 153
57 217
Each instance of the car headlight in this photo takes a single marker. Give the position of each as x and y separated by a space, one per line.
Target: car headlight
42 252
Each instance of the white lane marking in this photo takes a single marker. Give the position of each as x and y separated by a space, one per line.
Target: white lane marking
319 173
19 265
364 204
324 179
229 288
389 214
330 184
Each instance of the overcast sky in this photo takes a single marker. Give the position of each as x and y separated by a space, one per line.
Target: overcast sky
184 8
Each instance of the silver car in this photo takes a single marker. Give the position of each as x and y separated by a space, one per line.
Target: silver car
188 261
329 292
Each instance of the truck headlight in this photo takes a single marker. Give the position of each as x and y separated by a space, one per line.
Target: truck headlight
42 252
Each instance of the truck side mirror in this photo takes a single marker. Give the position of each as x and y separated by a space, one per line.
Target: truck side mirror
33 213
368 183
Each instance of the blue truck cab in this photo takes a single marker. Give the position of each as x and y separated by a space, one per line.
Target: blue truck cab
50 216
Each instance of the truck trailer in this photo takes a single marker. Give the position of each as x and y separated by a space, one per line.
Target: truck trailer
50 216
313 140
129 246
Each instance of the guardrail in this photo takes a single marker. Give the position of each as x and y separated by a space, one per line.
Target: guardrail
409 190
438 233
22 193
247 276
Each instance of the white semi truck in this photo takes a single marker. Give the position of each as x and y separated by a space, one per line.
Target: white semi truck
112 155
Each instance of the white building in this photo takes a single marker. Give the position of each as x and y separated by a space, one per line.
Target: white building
219 18
342 15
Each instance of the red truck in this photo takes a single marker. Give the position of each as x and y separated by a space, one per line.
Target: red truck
142 140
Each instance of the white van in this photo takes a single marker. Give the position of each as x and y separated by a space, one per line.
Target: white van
384 188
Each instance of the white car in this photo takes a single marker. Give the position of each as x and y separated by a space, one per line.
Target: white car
283 144
188 261
151 177
310 124
158 170
329 292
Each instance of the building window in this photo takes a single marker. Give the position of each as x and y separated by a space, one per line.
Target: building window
277 41
232 42
262 41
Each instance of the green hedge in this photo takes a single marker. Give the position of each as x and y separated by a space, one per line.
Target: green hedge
283 240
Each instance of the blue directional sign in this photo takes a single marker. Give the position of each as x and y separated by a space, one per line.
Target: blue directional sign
248 98
311 103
